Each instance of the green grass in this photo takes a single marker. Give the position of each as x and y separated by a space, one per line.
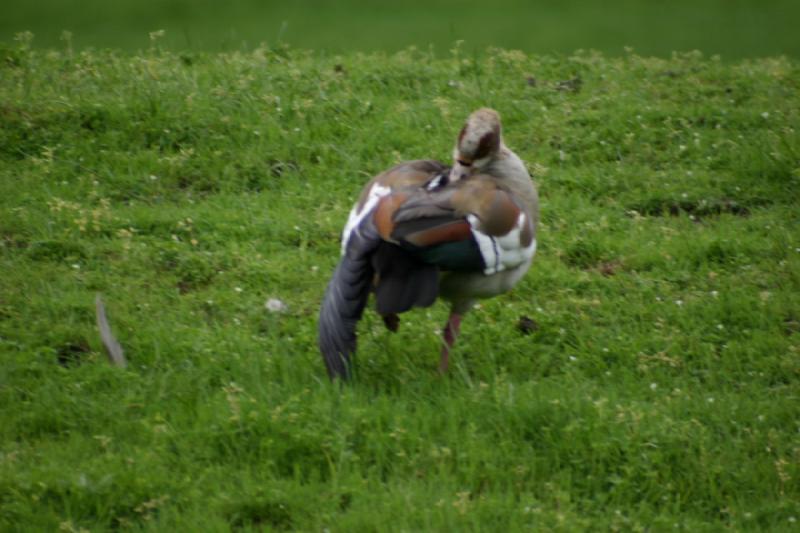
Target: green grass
658 391
732 28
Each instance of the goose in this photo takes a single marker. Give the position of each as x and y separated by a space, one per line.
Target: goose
424 230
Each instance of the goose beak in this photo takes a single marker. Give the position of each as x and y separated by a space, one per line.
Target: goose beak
461 170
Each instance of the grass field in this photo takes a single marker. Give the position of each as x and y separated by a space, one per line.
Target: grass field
657 391
734 29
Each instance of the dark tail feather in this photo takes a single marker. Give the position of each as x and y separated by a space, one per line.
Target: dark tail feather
342 307
403 281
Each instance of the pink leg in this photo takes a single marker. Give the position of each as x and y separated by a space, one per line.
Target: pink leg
451 330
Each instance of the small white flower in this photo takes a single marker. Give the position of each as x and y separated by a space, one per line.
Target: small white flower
765 114
274 305
679 303
573 358
710 399
653 386
238 289
714 294
153 177
720 327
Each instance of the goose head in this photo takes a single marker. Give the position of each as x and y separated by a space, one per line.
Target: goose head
478 144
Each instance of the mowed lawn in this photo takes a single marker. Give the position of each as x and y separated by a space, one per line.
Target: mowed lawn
734 29
653 386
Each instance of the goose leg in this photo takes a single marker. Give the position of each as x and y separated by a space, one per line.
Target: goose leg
451 330
392 322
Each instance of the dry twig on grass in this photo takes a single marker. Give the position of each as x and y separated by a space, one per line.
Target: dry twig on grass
115 354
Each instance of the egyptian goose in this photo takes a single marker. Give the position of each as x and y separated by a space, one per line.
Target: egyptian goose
423 230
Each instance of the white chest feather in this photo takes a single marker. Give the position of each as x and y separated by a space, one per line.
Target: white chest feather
504 252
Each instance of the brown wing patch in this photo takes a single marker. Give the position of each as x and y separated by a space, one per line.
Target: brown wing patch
456 231
384 214
493 206
501 215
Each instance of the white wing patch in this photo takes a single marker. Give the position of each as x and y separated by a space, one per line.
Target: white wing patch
504 252
437 182
376 192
